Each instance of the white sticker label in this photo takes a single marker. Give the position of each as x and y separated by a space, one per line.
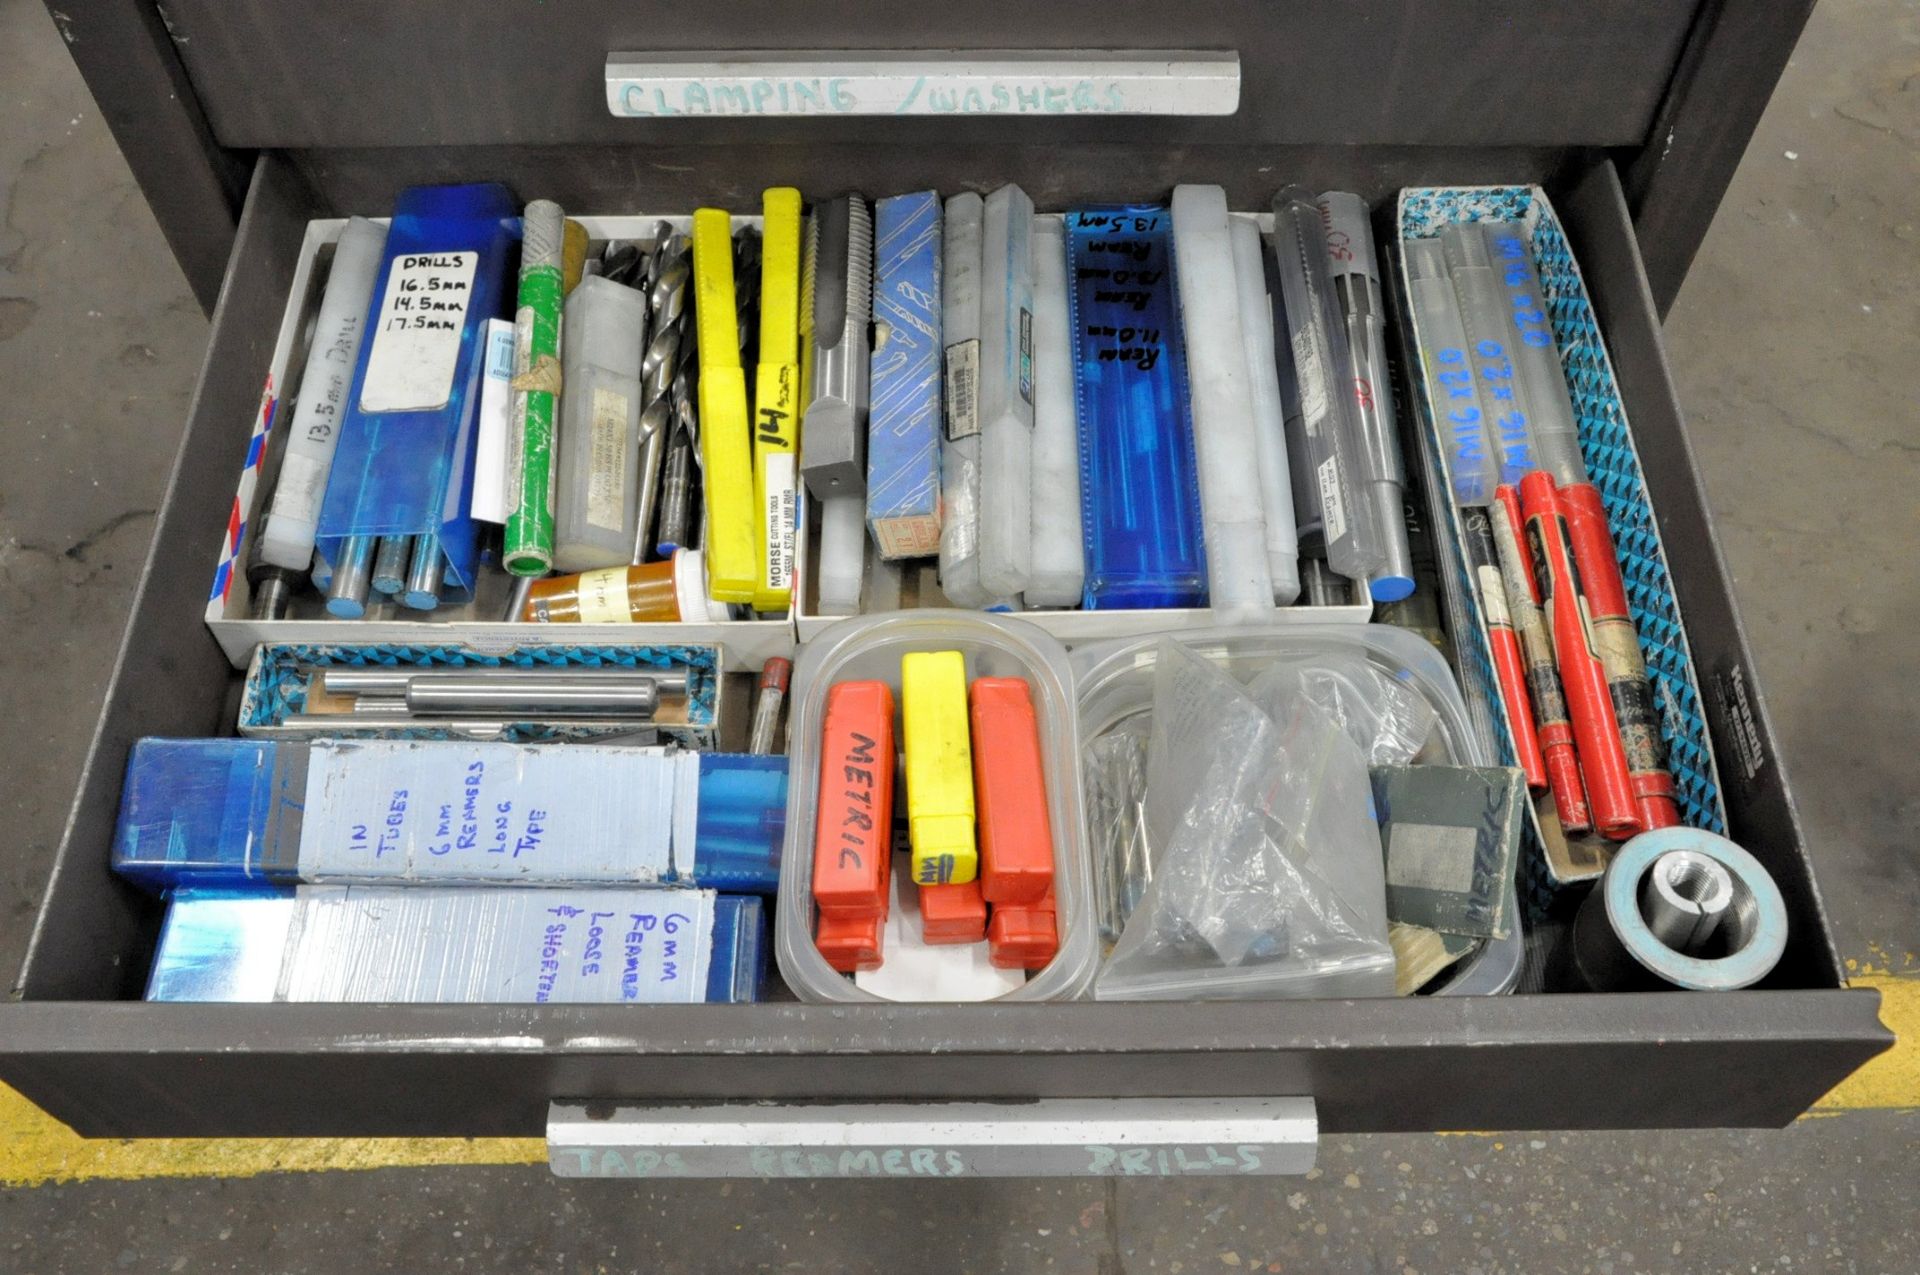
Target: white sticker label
1493 595
490 452
963 389
607 466
779 512
603 597
424 811
1336 514
1307 371
1431 857
510 947
416 338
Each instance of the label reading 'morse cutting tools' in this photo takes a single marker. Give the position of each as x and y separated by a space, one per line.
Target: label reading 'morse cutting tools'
416 336
607 474
780 511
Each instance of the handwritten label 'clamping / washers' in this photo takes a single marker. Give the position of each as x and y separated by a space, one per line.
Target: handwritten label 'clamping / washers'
939 767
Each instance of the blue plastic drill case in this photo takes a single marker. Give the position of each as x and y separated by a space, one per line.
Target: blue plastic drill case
245 120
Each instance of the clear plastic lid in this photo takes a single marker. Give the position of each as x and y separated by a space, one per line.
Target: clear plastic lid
869 648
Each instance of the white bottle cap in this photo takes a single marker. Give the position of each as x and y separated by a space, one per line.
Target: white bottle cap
690 587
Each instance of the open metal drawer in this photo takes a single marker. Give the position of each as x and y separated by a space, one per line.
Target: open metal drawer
75 1042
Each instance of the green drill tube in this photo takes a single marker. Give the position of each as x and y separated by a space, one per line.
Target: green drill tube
536 390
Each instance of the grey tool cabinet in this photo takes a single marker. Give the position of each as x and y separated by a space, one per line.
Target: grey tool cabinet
245 118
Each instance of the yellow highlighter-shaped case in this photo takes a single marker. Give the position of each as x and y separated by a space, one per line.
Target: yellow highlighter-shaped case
933 694
776 396
726 457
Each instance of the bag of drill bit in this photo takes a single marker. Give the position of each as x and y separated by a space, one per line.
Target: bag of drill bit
1389 721
1267 874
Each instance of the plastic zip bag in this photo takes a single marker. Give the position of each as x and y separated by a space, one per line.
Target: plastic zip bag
1268 879
1389 721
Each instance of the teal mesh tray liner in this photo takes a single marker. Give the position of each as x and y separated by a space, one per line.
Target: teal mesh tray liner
277 683
1606 444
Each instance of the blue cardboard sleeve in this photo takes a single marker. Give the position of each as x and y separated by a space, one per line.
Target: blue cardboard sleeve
461 945
246 812
903 432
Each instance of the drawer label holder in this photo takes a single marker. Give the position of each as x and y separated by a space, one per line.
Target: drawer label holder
923 82
1062 1137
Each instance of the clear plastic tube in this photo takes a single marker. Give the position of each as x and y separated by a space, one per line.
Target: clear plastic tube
1323 365
1239 585
1059 554
1556 434
1006 393
960 448
1472 471
1269 423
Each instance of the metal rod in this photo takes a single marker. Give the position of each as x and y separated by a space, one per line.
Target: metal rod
390 564
517 604
448 697
423 578
347 590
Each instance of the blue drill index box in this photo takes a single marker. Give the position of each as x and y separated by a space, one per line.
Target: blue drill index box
903 432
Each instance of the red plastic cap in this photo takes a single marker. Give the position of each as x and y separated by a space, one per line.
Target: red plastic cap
853 829
1010 793
953 913
849 943
1023 938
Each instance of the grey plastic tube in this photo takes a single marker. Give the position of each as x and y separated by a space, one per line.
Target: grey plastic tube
596 492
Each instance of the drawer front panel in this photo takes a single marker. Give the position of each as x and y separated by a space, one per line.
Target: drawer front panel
467 72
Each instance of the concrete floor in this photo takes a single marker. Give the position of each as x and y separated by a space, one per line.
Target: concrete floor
1795 346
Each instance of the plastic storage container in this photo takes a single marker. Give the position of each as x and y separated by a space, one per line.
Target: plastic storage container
1114 682
869 648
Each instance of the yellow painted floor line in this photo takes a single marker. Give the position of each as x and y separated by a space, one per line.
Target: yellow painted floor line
35 1148
1893 1079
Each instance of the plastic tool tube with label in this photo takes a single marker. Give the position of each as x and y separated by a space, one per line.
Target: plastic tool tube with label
1334 522
1483 560
1483 313
1006 393
1059 551
604 330
1472 471
1139 481
1269 416
940 810
1554 727
1603 760
287 538
776 396
1383 473
1239 585
405 462
732 541
836 299
965 217
536 396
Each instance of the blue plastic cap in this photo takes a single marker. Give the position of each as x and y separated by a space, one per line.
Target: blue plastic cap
199 812
1390 588
741 824
346 608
